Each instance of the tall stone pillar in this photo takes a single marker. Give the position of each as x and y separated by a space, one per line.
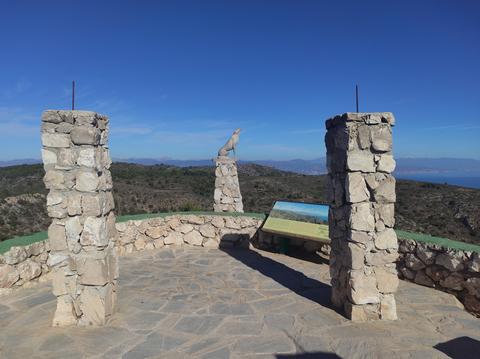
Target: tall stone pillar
361 217
80 202
227 196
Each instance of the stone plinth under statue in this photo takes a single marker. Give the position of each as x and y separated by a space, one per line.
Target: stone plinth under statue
227 196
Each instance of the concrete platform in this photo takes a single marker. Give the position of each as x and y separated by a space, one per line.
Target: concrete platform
198 303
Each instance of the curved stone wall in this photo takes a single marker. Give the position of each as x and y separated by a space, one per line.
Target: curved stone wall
209 231
21 266
453 271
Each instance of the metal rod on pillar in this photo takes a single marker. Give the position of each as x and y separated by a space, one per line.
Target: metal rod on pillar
356 96
73 95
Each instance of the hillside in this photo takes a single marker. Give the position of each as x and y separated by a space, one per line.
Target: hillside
440 210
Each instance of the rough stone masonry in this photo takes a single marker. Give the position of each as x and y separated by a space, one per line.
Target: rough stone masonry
361 217
227 196
80 202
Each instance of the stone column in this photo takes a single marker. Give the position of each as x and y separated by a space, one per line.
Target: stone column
80 202
361 217
227 196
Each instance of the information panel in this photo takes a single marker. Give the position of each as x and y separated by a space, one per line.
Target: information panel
299 220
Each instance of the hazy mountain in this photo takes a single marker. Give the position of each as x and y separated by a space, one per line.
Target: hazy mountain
24 161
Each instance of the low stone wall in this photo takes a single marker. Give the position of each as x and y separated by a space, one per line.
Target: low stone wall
453 271
22 266
208 231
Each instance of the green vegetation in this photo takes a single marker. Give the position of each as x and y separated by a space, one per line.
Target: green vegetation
438 210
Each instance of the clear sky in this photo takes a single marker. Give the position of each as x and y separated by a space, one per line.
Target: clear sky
177 77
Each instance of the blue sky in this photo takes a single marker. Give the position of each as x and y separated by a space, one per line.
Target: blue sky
176 77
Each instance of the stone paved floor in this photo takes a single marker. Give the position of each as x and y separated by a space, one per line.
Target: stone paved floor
198 303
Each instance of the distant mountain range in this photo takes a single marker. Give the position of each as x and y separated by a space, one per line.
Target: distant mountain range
459 171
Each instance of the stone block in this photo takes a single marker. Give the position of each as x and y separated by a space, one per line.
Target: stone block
385 191
356 188
65 313
387 280
387 239
364 140
422 279
361 217
55 140
94 232
385 212
451 261
66 159
362 161
73 229
57 237
194 238
92 271
156 232
388 307
363 288
93 306
412 262
29 270
355 313
92 205
381 138
86 157
455 281
207 230
8 275
174 238
49 157
218 222
85 136
355 255
185 228
74 204
386 164
87 181
55 180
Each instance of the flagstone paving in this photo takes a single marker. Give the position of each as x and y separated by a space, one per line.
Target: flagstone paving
198 303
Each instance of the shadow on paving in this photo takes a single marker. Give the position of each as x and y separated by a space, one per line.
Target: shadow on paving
291 279
319 355
460 348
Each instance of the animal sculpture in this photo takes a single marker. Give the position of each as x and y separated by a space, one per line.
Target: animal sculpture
231 144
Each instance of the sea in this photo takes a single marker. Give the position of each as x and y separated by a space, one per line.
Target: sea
472 182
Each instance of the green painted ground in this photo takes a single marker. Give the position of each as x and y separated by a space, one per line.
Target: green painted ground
444 242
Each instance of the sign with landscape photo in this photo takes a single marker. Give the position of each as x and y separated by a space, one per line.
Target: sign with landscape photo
299 220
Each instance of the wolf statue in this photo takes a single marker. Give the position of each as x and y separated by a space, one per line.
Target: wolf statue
231 144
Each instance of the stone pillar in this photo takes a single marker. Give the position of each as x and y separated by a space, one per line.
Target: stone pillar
361 217
227 196
80 202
